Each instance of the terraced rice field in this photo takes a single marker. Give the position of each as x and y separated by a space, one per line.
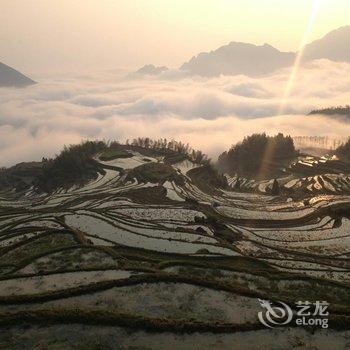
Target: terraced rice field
165 264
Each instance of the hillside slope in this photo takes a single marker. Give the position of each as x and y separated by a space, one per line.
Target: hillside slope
334 46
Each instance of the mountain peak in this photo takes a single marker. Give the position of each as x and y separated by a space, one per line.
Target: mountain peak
239 58
151 69
10 77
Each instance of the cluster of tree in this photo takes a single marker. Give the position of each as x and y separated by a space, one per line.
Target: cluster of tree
257 152
339 110
171 146
73 165
343 151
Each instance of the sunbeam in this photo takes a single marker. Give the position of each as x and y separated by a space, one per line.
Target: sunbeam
299 56
270 149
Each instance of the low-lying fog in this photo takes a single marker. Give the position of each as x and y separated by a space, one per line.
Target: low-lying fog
210 114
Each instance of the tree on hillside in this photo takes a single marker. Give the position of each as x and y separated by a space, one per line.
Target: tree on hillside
171 146
339 110
343 151
256 152
73 165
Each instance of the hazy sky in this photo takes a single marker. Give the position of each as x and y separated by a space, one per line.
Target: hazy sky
42 36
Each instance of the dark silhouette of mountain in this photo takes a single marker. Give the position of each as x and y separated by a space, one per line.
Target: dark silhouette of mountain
10 77
334 46
151 69
239 58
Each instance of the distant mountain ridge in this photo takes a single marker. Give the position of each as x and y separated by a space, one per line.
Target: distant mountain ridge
239 58
151 69
253 60
10 77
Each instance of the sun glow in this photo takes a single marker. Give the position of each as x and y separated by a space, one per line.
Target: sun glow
298 59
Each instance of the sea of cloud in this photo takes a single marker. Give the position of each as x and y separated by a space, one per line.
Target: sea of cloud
210 114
